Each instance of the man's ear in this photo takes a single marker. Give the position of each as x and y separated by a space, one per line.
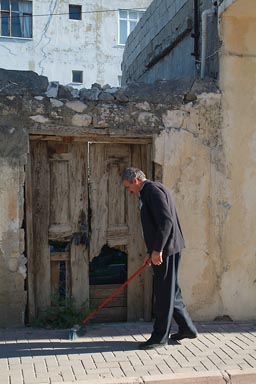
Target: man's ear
135 181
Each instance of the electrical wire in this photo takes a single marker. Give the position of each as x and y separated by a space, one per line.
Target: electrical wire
68 13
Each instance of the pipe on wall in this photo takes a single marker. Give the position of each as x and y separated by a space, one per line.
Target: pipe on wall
207 12
196 35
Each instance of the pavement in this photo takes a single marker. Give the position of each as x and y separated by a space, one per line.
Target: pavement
223 353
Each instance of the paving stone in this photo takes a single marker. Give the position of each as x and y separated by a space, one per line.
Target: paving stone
116 372
221 348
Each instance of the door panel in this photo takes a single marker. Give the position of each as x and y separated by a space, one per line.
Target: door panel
40 176
107 196
115 217
59 206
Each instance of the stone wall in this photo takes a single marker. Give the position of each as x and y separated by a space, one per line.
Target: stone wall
162 45
193 152
169 112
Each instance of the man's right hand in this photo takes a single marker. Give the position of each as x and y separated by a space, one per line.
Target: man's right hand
147 260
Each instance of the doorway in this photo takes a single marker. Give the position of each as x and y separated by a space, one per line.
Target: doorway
77 207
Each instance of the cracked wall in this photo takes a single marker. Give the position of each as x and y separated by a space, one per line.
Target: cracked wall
12 260
60 45
238 84
195 154
185 152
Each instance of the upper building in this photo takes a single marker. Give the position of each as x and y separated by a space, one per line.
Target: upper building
171 41
76 42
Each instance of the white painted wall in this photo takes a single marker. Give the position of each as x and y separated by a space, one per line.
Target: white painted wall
60 45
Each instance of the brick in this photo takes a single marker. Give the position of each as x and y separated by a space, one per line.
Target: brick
164 368
116 372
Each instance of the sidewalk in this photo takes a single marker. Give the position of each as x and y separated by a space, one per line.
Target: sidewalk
224 352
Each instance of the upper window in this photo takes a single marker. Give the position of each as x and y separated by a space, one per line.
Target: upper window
127 23
77 77
75 12
16 18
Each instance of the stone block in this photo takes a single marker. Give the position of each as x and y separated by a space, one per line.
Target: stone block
246 376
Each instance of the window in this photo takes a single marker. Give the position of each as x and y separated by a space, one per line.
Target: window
16 18
127 23
75 12
77 76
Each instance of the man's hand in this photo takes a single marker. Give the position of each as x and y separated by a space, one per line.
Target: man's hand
157 257
147 259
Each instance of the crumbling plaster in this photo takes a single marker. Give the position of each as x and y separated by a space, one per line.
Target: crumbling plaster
185 149
12 259
190 145
238 83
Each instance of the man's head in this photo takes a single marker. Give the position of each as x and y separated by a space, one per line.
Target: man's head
133 179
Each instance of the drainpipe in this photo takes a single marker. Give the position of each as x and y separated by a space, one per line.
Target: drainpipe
207 12
195 35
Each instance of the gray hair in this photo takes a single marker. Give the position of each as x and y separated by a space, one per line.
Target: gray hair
133 173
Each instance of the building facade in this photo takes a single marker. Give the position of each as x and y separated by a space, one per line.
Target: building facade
167 42
73 42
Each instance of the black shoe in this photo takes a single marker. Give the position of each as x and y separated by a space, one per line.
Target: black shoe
151 344
183 335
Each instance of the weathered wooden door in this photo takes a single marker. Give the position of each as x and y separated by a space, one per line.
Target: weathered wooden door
115 216
59 221
64 178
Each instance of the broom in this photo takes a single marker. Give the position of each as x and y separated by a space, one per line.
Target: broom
74 330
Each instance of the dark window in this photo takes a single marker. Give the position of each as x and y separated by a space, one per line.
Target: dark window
77 76
16 18
75 12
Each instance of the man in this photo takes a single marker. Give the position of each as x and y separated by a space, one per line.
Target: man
164 241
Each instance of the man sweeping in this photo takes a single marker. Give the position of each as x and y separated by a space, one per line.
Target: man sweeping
164 241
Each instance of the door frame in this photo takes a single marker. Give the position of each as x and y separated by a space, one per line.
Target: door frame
31 276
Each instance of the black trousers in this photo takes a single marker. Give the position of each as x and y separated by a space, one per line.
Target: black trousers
168 300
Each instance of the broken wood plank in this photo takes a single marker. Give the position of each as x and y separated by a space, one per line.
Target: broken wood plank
60 232
60 256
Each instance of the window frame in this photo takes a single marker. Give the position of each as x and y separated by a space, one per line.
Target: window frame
75 6
22 14
128 19
82 76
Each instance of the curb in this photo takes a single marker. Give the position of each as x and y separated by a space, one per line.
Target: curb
247 376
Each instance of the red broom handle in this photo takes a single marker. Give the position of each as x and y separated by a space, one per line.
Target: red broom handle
113 294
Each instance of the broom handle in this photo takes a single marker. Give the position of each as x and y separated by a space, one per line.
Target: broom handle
113 294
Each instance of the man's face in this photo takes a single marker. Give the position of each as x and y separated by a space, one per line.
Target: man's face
133 187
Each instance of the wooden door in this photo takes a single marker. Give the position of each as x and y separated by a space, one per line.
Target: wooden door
59 222
115 218
60 219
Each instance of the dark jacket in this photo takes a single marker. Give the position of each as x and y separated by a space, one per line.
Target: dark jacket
160 223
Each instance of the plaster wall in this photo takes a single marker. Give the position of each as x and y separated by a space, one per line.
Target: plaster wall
238 84
205 148
12 261
186 147
185 152
60 45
